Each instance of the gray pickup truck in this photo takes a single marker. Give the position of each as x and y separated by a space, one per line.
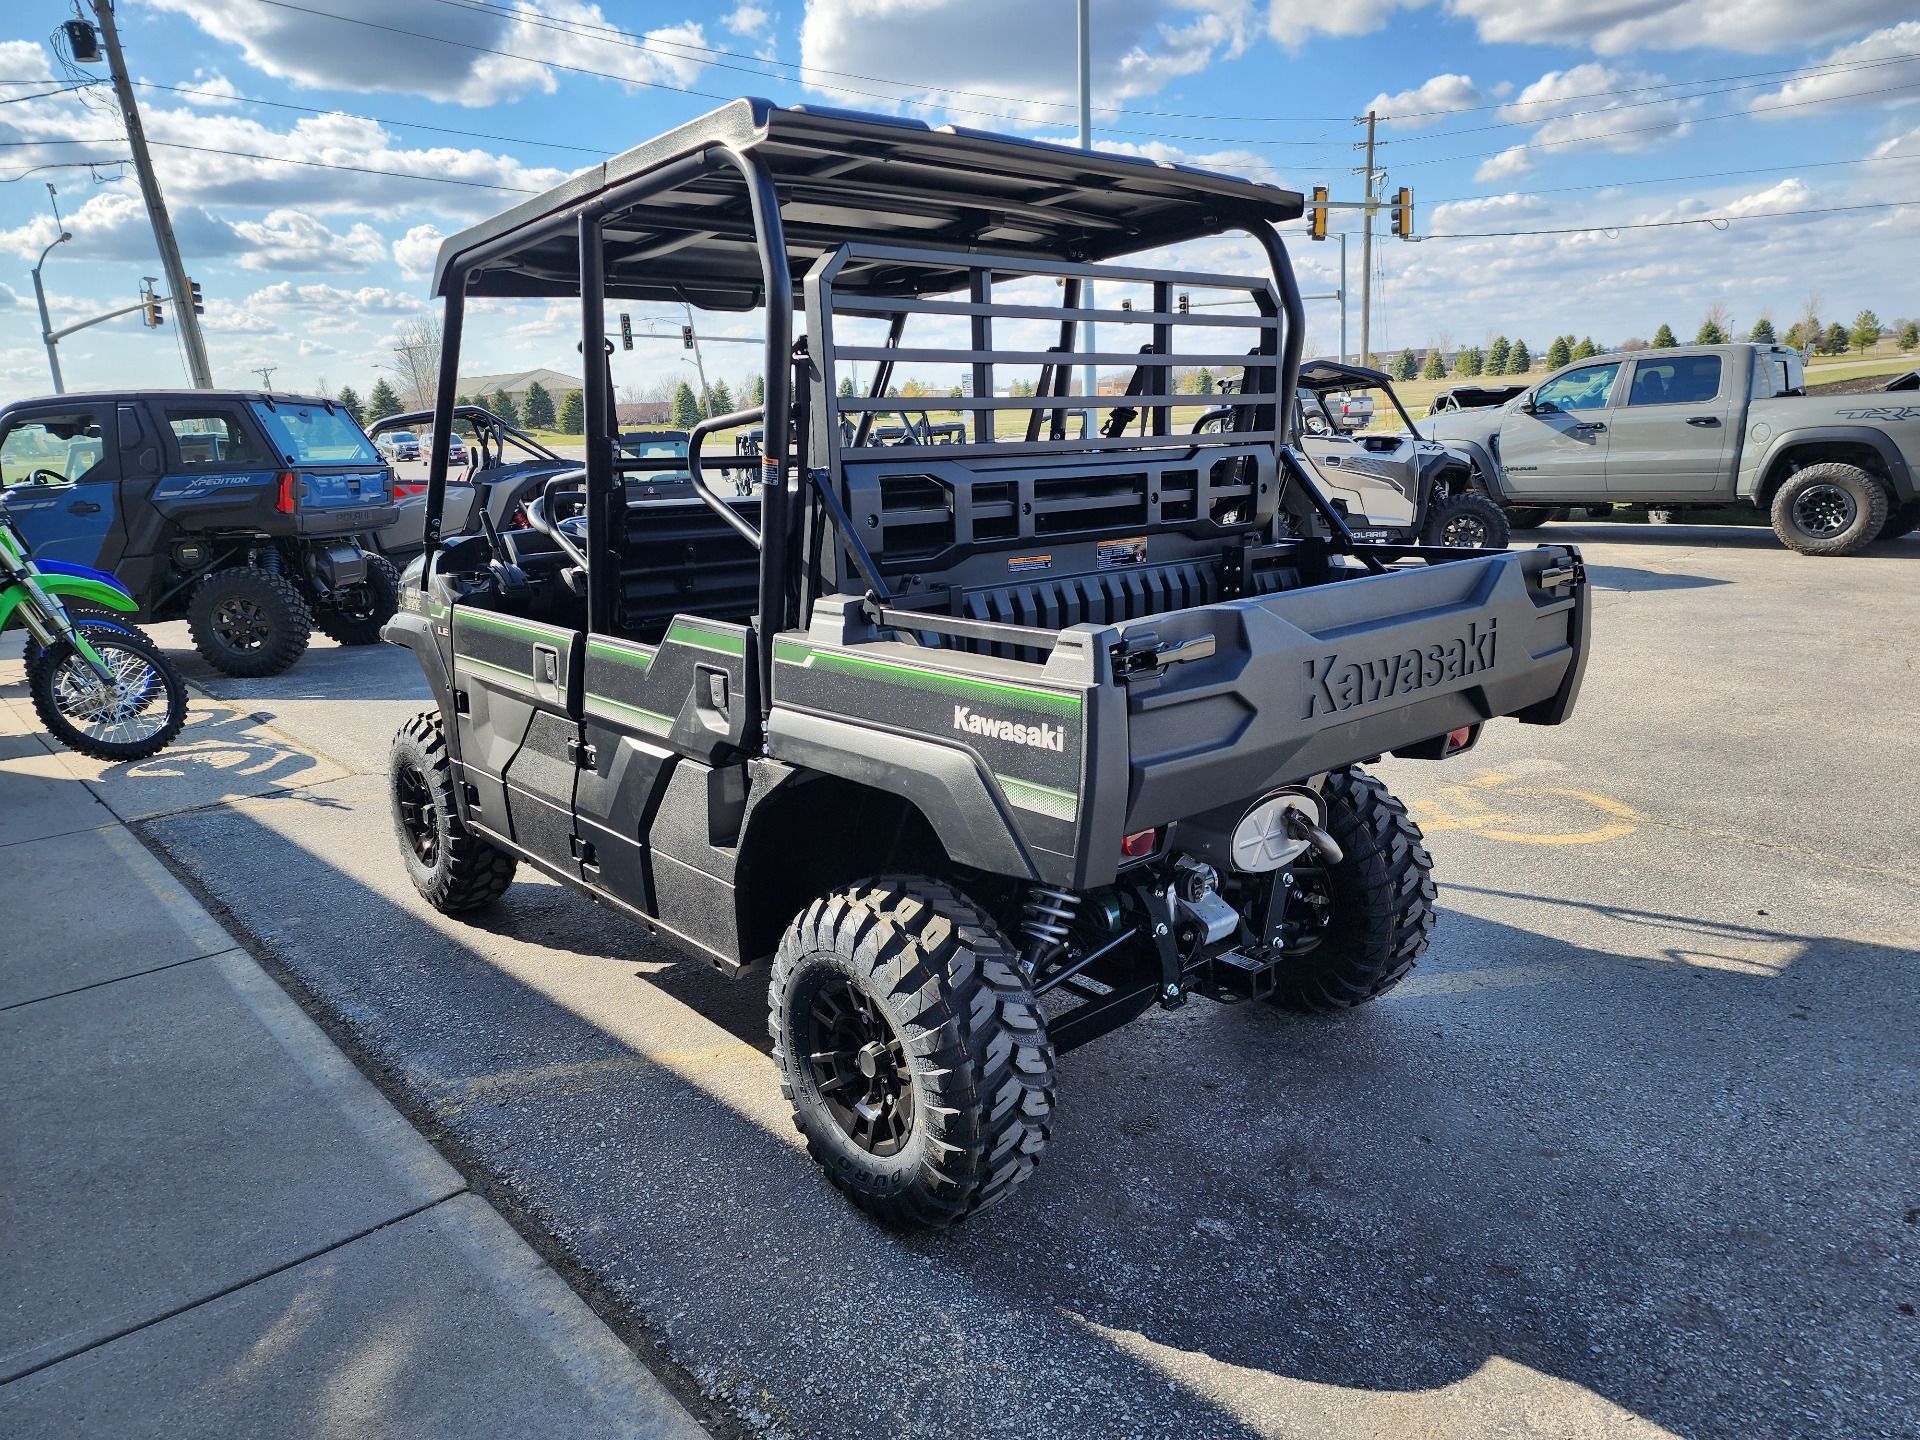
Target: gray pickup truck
1710 425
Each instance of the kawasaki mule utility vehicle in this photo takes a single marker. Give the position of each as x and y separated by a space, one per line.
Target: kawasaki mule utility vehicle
235 509
986 747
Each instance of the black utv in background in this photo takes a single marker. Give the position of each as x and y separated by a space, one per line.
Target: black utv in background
237 510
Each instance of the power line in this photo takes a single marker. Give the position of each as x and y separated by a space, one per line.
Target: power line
1718 222
1673 179
276 160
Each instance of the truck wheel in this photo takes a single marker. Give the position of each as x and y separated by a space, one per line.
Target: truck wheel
249 622
913 1054
1901 520
1528 517
1380 902
1829 509
368 606
1468 520
453 869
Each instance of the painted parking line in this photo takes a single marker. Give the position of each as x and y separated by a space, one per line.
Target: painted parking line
1505 807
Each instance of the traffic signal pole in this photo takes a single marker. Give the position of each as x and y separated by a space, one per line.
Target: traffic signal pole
1366 255
176 271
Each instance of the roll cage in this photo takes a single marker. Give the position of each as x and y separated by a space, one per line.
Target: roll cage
861 218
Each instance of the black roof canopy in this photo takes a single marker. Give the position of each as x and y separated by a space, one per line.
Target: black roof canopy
678 222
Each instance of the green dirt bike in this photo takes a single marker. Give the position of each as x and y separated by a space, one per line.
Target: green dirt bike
98 683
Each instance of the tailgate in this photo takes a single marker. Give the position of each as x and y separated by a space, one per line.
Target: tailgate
1310 680
337 499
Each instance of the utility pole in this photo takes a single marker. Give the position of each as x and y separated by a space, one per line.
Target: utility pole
1366 256
699 363
177 282
265 372
1086 143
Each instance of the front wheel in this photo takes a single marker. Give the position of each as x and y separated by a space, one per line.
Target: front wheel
249 622
1378 902
1528 517
92 616
1469 520
913 1053
1830 509
363 608
129 717
454 869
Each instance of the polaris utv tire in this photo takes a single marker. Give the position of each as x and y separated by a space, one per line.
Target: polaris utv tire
249 622
1528 517
1467 520
1382 895
453 869
358 622
1830 509
1901 520
914 1055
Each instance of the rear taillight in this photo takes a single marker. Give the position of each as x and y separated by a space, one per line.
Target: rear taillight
283 497
402 489
1140 844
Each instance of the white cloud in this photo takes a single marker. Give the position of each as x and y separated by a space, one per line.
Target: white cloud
295 240
1410 109
415 251
1292 23
1616 27
1572 111
747 20
1827 83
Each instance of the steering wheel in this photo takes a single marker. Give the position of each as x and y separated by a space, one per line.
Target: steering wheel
540 512
47 477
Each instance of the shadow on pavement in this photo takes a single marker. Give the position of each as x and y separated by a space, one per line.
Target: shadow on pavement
1624 577
1562 1181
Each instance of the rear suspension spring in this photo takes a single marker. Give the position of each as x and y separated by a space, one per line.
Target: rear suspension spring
1047 918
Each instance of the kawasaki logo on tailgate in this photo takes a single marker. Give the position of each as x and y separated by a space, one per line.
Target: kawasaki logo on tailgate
1335 684
1038 737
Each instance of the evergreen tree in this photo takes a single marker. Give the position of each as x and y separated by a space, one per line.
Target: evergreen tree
502 405
1405 367
1559 353
573 414
686 408
757 391
1834 342
1436 366
350 402
1203 381
462 400
382 402
1663 338
537 413
1519 362
1497 355
720 399
1909 336
1796 337
846 387
1866 331
1762 332
1469 361
1710 333
1585 350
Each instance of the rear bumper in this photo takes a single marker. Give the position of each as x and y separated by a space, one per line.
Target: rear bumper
344 521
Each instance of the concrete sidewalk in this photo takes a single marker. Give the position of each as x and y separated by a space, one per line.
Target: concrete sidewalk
210 1222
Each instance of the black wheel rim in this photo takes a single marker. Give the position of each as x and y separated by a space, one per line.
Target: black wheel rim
419 821
860 1066
241 624
1466 531
1823 511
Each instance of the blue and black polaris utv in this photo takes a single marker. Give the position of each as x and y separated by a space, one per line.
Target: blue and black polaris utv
238 510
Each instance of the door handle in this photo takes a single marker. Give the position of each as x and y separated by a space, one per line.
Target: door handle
1590 427
83 507
1704 420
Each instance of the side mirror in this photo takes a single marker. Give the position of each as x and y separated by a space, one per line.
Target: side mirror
464 556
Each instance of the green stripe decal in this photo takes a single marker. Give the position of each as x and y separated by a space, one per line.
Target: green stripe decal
639 659
518 677
718 641
487 620
646 719
1041 799
1052 702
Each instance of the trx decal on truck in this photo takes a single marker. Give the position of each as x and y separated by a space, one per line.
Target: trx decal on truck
1037 737
1335 684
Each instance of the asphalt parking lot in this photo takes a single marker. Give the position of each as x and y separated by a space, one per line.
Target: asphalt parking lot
1633 1152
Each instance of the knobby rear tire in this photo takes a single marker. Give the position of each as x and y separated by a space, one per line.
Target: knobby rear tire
464 872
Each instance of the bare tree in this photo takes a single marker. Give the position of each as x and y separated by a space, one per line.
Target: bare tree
416 361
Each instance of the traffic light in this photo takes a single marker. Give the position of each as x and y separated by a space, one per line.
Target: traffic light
626 331
199 305
1126 304
1317 214
150 313
83 41
686 337
1403 213
1183 303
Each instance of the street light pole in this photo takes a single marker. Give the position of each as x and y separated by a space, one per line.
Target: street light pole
1086 143
46 321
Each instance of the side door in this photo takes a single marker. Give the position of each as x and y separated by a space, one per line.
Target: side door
1558 450
517 700
62 474
1673 436
219 472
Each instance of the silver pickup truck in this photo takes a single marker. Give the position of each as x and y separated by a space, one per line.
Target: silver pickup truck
1710 425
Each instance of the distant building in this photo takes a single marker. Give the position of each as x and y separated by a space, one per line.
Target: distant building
481 388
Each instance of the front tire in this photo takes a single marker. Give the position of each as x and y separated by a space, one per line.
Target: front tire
914 1055
1901 520
1381 895
87 613
1830 509
1467 520
454 869
249 622
1528 517
139 716
368 606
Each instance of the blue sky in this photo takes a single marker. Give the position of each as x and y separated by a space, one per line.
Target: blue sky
1504 115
